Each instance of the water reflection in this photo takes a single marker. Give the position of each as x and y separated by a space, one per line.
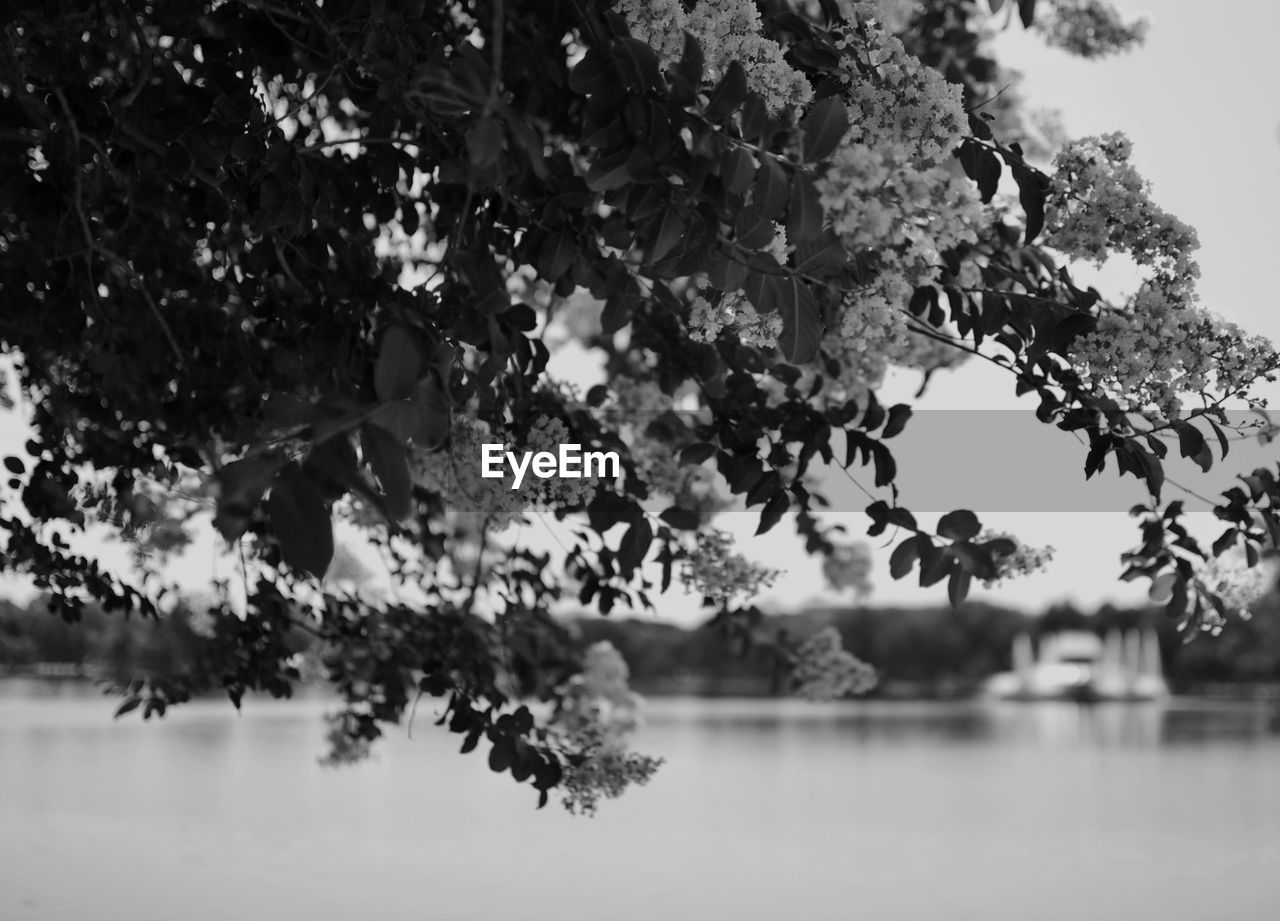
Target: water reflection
765 809
1044 723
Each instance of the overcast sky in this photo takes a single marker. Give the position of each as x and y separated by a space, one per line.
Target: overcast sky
1197 102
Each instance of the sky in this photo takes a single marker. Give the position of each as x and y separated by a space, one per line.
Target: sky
1197 100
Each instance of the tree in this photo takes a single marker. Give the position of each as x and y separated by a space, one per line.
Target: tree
289 261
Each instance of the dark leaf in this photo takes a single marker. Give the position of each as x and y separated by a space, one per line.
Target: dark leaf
958 586
899 413
386 457
691 62
729 93
904 556
591 75
771 190
959 525
804 213
301 524
434 413
682 519
634 546
801 324
823 128
671 228
696 453
484 143
772 512
399 366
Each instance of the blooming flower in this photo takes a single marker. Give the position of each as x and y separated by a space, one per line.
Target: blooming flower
714 570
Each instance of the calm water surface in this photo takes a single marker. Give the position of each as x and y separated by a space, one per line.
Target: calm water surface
765 810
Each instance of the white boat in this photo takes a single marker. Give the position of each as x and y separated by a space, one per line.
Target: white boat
1077 665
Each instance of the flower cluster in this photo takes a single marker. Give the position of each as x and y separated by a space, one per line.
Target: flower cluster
1088 28
727 31
733 311
1022 561
1163 344
1100 204
890 194
824 670
1239 585
895 98
597 713
716 571
901 217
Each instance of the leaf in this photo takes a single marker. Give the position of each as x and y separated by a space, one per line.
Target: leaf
823 128
301 524
400 418
752 228
14 465
241 485
399 366
386 457
743 473
696 453
691 62
904 556
618 310
285 411
671 228
982 166
591 75
771 190
638 64
682 519
772 512
611 171
737 169
899 413
801 325
1027 12
484 143
1222 438
1191 444
556 256
634 546
729 94
607 509
1032 187
825 251
500 755
886 466
130 704
959 525
804 212
958 586
755 119
434 414
1226 540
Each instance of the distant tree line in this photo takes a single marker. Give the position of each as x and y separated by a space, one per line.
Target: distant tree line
918 652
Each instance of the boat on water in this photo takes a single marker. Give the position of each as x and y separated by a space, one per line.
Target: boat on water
1081 666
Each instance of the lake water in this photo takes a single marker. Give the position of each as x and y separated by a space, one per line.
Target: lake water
765 810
